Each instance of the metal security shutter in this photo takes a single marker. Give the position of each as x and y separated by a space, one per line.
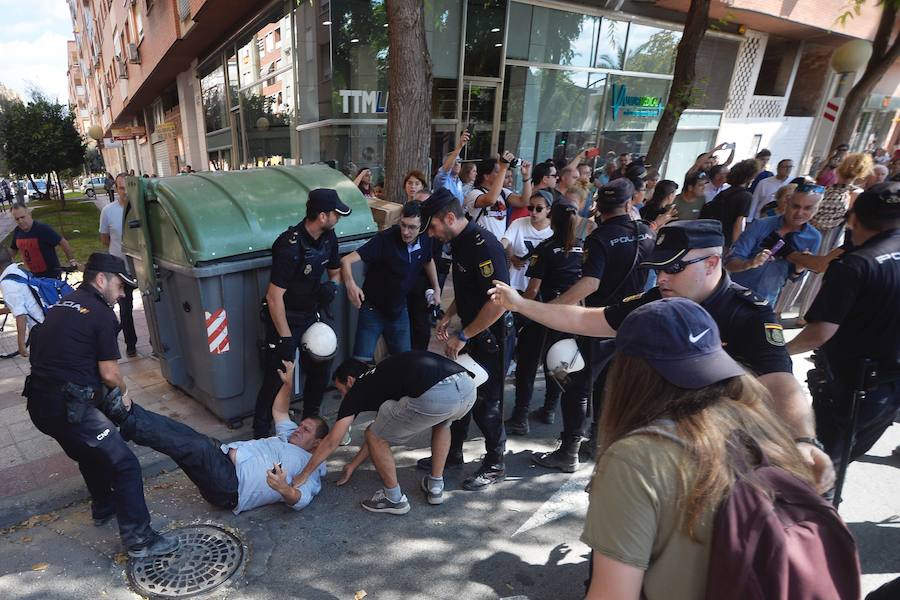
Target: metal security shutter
161 153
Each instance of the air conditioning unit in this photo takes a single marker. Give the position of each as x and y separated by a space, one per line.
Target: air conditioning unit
121 68
134 55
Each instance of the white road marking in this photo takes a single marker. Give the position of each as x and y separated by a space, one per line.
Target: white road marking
570 498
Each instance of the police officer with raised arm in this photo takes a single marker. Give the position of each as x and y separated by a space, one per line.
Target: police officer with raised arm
296 293
855 317
74 354
478 258
688 262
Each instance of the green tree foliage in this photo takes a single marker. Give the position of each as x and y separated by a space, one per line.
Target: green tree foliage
40 138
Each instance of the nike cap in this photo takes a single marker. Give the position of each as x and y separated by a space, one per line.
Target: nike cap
675 240
681 342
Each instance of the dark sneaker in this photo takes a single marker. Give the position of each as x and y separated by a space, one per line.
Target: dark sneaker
155 545
453 460
433 497
379 503
114 407
484 477
101 521
130 351
517 425
543 415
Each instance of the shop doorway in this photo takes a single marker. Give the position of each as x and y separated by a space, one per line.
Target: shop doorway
479 114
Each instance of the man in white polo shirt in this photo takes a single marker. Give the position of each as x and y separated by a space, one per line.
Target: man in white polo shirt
111 218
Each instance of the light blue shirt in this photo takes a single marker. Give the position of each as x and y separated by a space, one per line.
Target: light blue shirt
768 279
255 457
446 179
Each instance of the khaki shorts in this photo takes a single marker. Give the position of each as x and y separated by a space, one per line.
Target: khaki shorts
446 401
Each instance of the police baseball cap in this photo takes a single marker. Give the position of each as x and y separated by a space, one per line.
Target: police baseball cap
675 240
881 201
102 262
681 342
616 192
325 200
433 204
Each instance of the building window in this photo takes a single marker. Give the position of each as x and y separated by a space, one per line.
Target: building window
485 22
556 37
212 90
651 49
777 65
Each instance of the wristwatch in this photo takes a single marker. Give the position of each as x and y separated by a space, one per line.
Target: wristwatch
811 441
461 336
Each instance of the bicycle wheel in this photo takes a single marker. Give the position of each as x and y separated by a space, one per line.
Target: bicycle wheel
9 343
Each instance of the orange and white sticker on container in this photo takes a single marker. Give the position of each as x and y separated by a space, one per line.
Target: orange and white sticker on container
217 331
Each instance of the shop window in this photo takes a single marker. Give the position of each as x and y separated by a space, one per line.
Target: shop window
359 58
232 67
651 49
442 25
715 57
212 90
611 44
485 21
777 64
555 37
634 103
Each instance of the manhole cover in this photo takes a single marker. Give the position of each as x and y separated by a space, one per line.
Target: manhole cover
208 557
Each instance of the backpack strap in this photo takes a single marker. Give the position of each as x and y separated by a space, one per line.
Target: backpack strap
27 282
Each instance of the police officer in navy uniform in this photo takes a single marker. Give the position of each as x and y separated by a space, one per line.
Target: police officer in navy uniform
612 252
688 261
74 354
478 258
855 317
296 293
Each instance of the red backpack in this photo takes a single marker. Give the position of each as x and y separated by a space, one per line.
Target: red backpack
794 545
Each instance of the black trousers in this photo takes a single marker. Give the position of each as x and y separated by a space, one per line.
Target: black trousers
832 410
110 469
126 318
419 320
577 411
315 379
488 408
532 341
199 456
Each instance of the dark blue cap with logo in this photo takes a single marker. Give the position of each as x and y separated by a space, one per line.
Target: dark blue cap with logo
616 192
101 262
681 342
675 240
325 200
433 204
881 201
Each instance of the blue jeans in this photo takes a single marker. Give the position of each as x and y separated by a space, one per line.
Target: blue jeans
372 324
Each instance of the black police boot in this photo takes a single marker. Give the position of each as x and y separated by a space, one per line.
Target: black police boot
564 458
453 460
114 407
544 415
517 424
154 545
588 448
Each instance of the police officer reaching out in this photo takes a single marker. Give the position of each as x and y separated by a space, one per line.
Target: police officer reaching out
478 258
688 260
296 292
855 317
74 353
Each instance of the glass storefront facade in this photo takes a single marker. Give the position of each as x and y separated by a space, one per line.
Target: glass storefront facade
307 82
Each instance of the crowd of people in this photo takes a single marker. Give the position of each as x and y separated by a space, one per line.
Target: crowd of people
652 305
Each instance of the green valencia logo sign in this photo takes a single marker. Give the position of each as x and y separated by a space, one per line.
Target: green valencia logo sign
633 106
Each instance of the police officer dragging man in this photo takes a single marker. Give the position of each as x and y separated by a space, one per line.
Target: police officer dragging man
295 296
412 392
688 261
478 258
74 355
854 326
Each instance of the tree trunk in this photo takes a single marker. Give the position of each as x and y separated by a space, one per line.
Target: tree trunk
409 95
62 193
884 55
681 92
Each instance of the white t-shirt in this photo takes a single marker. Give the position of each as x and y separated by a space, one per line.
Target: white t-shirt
111 225
492 218
711 191
523 238
18 296
763 193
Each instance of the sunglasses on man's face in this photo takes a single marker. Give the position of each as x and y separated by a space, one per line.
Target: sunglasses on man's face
536 208
810 188
680 265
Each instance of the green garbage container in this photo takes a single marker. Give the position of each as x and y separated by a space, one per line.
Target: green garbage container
201 249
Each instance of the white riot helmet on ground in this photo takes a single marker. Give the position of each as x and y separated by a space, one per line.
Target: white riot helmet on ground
472 366
564 358
319 342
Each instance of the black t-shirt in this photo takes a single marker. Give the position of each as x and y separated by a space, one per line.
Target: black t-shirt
298 263
78 332
406 374
38 248
749 330
393 267
861 293
557 269
478 259
609 255
727 207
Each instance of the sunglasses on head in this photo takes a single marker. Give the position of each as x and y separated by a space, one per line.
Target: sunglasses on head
536 208
680 265
811 188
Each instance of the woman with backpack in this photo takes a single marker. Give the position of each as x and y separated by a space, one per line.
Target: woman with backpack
684 435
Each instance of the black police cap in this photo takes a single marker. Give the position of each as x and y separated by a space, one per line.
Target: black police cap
881 201
102 262
432 205
325 200
616 192
675 240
